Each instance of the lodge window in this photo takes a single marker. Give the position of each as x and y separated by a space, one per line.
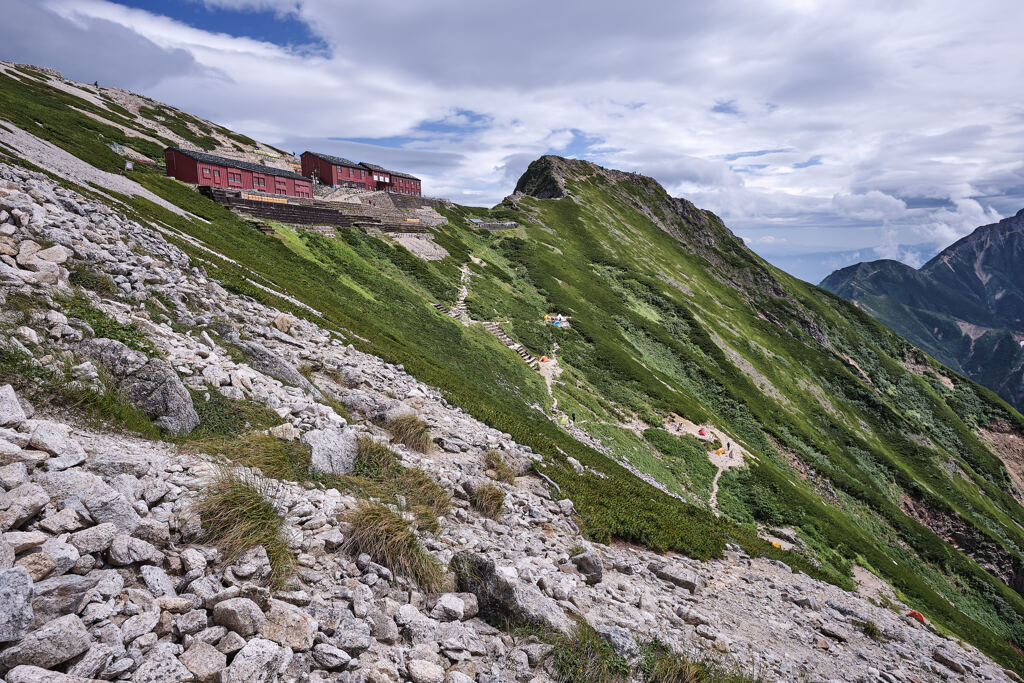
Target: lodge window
216 173
206 171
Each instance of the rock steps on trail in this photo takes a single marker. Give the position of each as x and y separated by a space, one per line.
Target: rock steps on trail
494 329
104 573
461 313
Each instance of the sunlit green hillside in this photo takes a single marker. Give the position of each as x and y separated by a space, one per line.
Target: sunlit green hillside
859 442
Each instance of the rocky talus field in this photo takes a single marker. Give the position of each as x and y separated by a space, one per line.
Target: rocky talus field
238 449
109 574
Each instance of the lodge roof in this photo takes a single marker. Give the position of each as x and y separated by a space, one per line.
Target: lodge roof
234 163
381 169
337 161
342 161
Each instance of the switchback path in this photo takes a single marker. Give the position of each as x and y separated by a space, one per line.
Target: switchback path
734 455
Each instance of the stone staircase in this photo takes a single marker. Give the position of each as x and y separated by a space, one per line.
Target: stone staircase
494 329
459 311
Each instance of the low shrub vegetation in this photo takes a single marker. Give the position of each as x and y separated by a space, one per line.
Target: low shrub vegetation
385 536
237 514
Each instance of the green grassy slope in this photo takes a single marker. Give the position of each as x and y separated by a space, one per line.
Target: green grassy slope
670 314
965 307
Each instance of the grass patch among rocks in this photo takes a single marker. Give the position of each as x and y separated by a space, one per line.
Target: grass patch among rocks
385 536
489 500
45 385
502 472
220 416
379 474
658 664
276 458
586 657
237 514
412 432
87 277
104 325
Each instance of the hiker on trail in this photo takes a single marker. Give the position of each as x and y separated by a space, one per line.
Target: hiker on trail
574 417
728 445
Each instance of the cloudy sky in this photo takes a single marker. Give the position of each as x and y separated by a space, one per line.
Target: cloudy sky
823 131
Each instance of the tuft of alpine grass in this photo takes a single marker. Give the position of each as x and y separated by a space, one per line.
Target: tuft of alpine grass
385 536
489 500
411 431
237 514
502 471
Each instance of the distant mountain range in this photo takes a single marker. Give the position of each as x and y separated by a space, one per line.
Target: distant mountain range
965 306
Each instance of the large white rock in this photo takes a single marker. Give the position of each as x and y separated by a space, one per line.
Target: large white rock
258 662
241 615
54 643
422 671
52 437
289 626
332 451
449 607
160 666
15 604
10 410
55 254
204 661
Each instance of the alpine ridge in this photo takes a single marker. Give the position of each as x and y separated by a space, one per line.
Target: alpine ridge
600 440
965 306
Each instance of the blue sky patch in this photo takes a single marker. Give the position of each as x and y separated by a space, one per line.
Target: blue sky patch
580 145
813 161
283 29
756 153
726 107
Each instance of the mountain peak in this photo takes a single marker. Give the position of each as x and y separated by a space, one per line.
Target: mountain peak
546 177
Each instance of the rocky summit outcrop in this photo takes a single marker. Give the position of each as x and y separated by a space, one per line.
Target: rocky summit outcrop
106 572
